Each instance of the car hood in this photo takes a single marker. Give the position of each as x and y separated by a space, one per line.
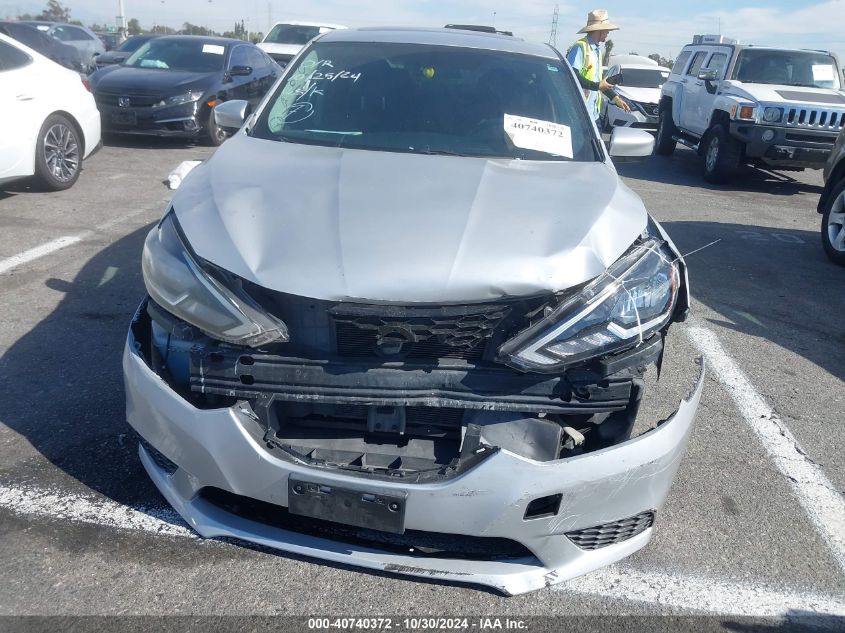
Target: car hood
773 93
149 81
280 49
640 95
343 224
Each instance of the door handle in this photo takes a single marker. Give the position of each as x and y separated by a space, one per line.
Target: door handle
24 97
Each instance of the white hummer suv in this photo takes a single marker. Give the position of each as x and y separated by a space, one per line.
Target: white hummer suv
737 104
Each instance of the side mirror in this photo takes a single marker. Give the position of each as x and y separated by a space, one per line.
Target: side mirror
707 74
230 115
240 71
629 145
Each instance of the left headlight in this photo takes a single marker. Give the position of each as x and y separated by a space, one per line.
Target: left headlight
176 281
633 299
185 97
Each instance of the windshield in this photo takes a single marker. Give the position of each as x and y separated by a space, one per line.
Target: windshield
132 44
644 77
430 100
294 33
788 68
194 55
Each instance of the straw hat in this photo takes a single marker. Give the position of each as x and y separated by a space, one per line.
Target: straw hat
597 21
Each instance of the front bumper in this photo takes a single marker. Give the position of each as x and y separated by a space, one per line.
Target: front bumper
617 117
224 449
787 147
183 121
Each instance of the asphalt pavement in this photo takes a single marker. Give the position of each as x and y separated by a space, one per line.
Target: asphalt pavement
751 527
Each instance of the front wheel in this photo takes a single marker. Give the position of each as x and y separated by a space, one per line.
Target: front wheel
721 155
58 154
665 145
214 134
833 225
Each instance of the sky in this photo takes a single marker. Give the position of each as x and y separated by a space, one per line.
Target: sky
647 26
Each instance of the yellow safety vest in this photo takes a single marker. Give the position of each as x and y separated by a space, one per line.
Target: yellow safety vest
591 68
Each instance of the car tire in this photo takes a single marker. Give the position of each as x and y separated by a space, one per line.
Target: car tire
833 225
214 134
664 144
58 154
722 154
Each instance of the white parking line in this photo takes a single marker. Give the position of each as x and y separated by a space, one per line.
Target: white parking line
60 505
820 499
15 261
696 593
619 582
40 251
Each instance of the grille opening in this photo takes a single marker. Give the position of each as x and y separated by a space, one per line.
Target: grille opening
611 533
809 138
453 332
543 507
350 436
417 543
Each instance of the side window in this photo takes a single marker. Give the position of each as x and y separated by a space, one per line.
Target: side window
12 58
681 63
78 34
697 62
62 33
256 59
717 62
240 57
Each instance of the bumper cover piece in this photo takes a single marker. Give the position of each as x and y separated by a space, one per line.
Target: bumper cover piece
223 449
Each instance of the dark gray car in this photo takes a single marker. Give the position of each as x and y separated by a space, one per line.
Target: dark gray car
81 38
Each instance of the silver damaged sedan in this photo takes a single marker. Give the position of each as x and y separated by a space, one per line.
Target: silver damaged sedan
408 318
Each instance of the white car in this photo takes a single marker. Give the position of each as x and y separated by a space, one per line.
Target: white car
286 39
640 86
50 122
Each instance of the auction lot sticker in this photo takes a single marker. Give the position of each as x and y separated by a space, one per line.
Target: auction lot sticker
542 136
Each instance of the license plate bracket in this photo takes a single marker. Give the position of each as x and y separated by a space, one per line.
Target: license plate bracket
124 118
372 510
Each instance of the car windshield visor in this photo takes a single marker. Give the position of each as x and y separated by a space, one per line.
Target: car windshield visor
787 68
430 99
193 55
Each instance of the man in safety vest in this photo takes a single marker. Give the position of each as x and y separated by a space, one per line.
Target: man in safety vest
586 58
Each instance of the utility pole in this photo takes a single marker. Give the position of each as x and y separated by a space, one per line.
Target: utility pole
553 34
121 17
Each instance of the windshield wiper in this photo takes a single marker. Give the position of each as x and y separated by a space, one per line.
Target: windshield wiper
436 152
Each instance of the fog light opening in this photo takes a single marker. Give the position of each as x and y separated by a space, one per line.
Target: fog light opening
768 135
543 507
191 125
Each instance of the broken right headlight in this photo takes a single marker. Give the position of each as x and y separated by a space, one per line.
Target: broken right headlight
618 310
176 281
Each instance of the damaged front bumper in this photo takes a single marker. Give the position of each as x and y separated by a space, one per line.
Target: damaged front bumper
502 520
